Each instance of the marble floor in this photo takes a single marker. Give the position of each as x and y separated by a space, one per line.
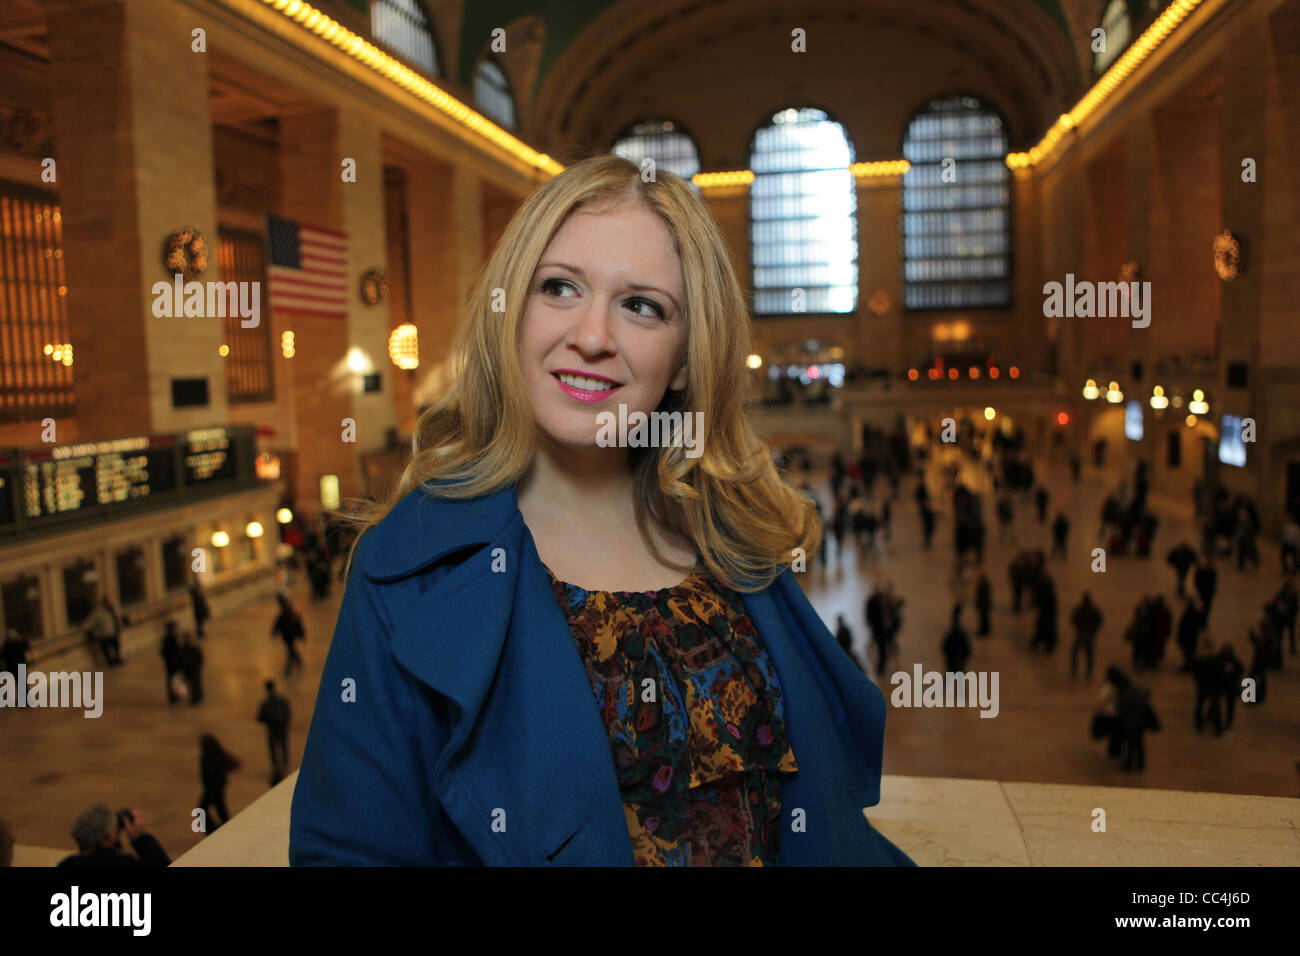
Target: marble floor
1041 733
144 753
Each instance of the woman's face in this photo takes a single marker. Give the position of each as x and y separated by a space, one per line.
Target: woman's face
603 324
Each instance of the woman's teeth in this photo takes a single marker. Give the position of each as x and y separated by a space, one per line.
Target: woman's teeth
586 384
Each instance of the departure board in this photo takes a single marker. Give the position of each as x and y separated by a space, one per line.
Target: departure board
69 478
54 486
208 455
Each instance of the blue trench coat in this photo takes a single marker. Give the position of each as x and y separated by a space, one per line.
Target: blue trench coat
455 724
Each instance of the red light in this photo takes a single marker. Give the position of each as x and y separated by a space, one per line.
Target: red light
974 372
913 374
1013 372
934 373
813 371
1062 418
952 373
993 372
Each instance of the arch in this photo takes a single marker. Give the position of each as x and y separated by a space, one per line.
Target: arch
493 95
405 28
1117 24
803 227
956 206
663 140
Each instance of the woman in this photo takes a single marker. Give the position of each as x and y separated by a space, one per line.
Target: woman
528 563
215 767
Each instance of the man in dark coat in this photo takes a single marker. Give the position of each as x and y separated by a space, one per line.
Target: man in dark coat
875 613
275 713
1207 671
1207 582
191 661
1087 622
1136 717
1230 672
1181 558
1190 624
200 604
1045 623
1060 535
171 655
956 644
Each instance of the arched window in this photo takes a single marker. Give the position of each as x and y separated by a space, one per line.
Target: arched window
492 93
664 142
402 26
803 206
956 207
1119 30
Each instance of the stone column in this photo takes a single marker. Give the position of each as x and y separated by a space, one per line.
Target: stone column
133 146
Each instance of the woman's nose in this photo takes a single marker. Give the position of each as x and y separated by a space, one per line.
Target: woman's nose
591 329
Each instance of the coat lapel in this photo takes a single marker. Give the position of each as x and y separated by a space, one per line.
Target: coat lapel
526 775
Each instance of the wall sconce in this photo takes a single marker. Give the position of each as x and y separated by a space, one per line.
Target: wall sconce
404 346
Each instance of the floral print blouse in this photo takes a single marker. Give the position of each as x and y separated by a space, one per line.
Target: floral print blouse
694 715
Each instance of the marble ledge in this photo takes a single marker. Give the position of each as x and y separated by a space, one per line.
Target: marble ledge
941 821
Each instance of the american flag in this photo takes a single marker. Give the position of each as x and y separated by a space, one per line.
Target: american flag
308 270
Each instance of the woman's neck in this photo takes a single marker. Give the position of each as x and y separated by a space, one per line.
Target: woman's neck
577 484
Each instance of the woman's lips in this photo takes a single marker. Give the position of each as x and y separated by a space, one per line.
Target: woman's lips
583 394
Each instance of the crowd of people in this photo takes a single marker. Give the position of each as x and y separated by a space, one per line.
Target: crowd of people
1125 711
98 831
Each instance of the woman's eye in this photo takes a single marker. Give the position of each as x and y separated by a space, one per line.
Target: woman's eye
654 307
550 284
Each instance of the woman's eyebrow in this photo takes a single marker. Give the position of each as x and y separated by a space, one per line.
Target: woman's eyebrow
637 286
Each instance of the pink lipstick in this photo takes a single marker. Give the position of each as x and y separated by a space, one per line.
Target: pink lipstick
581 394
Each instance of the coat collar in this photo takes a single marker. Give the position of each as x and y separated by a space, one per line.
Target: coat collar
421 528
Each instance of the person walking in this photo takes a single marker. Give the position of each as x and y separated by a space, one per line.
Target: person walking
1190 624
1045 623
956 644
275 714
1206 580
200 604
171 655
1230 674
1041 498
215 766
104 627
191 661
1060 535
875 613
1087 621
1136 717
288 625
1181 558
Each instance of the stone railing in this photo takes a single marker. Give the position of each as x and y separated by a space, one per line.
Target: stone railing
941 821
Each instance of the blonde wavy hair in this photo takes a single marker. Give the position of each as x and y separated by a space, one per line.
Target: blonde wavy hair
730 502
